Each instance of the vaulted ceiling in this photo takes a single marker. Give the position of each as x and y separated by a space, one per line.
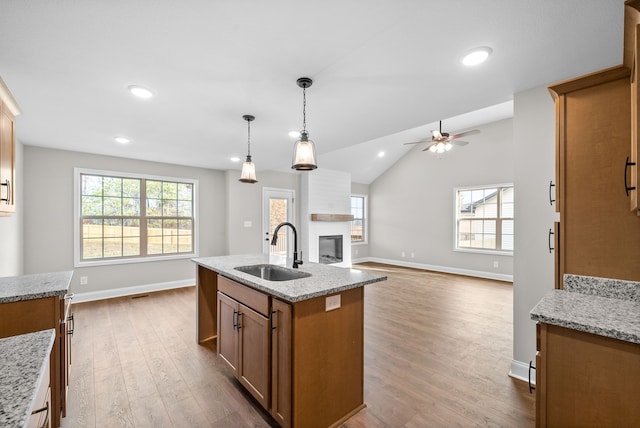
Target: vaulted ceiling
384 72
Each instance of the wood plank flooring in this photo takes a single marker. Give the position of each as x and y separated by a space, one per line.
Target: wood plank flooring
437 352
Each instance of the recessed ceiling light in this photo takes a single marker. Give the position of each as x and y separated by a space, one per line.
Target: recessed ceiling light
235 159
476 56
140 91
380 154
294 134
122 140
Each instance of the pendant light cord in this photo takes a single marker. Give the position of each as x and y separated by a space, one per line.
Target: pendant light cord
304 108
248 138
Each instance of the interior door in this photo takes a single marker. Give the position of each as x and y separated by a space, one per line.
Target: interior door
277 208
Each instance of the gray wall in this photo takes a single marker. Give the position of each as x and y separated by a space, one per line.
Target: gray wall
244 203
360 251
534 141
48 218
412 204
11 251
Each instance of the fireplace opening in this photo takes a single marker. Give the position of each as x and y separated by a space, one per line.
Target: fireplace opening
330 249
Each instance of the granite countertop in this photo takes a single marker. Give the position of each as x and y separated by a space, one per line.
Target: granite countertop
36 286
601 306
324 279
22 366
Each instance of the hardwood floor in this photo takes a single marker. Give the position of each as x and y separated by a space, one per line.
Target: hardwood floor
437 352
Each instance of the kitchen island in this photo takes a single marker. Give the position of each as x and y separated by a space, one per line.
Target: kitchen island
588 360
296 345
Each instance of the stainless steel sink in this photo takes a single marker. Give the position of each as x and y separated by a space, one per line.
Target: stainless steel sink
272 272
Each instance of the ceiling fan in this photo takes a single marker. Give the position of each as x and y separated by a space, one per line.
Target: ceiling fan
442 142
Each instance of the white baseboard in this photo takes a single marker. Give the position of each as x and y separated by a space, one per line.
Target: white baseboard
130 291
445 269
520 371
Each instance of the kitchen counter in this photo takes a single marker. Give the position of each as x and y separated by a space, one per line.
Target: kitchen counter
601 306
324 279
23 362
36 286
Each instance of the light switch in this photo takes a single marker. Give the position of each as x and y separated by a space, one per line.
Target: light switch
332 302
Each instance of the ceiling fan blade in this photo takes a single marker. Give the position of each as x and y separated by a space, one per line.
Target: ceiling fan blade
464 134
425 140
459 142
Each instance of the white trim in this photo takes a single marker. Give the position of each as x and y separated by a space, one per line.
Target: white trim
365 218
520 371
77 262
90 296
268 192
445 269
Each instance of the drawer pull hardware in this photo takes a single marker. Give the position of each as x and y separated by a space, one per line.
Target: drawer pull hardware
235 319
238 318
531 387
272 319
8 198
551 198
45 423
627 165
551 248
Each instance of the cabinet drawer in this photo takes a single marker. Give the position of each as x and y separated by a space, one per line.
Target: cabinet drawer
254 299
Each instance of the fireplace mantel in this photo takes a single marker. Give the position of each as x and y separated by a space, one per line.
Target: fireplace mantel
331 217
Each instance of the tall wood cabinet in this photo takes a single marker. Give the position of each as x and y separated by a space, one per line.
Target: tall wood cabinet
8 112
598 235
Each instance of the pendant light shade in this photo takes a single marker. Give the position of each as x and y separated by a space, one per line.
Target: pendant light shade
304 151
248 168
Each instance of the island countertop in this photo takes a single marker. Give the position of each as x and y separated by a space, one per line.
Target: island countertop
23 360
324 279
35 286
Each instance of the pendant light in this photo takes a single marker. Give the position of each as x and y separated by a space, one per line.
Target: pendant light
248 168
304 151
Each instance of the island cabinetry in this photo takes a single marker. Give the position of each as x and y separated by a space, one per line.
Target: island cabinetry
244 336
586 380
41 411
598 235
281 362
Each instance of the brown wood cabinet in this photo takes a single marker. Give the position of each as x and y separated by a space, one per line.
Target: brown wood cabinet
598 235
631 58
41 410
8 111
585 380
27 316
313 358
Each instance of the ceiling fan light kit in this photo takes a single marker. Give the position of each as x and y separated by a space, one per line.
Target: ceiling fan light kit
248 174
443 142
304 150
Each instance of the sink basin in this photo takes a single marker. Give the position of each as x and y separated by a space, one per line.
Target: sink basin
272 272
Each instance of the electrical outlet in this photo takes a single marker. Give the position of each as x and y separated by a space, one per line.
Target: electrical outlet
356 251
413 255
84 280
402 254
331 303
496 264
248 223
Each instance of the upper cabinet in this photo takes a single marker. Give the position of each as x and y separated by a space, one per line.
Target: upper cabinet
8 112
631 57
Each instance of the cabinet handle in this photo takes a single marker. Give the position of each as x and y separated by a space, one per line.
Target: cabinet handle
551 198
551 232
272 319
8 198
235 319
73 325
531 387
627 165
238 322
46 419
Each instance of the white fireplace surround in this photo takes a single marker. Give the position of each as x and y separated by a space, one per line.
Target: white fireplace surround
324 191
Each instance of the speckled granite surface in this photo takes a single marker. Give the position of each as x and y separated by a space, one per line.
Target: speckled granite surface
593 305
324 279
36 286
603 287
22 366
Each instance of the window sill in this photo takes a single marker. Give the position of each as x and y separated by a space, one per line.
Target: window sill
359 243
484 251
132 260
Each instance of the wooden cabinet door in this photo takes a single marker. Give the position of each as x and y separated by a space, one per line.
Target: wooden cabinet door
281 362
253 352
227 341
7 160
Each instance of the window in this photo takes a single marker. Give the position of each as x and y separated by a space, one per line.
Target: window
127 217
358 224
484 218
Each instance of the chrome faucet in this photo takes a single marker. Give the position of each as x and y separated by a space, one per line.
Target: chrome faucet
274 241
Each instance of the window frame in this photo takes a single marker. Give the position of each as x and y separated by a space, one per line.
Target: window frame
498 219
365 219
77 215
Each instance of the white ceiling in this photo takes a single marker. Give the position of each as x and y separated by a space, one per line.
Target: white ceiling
384 71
